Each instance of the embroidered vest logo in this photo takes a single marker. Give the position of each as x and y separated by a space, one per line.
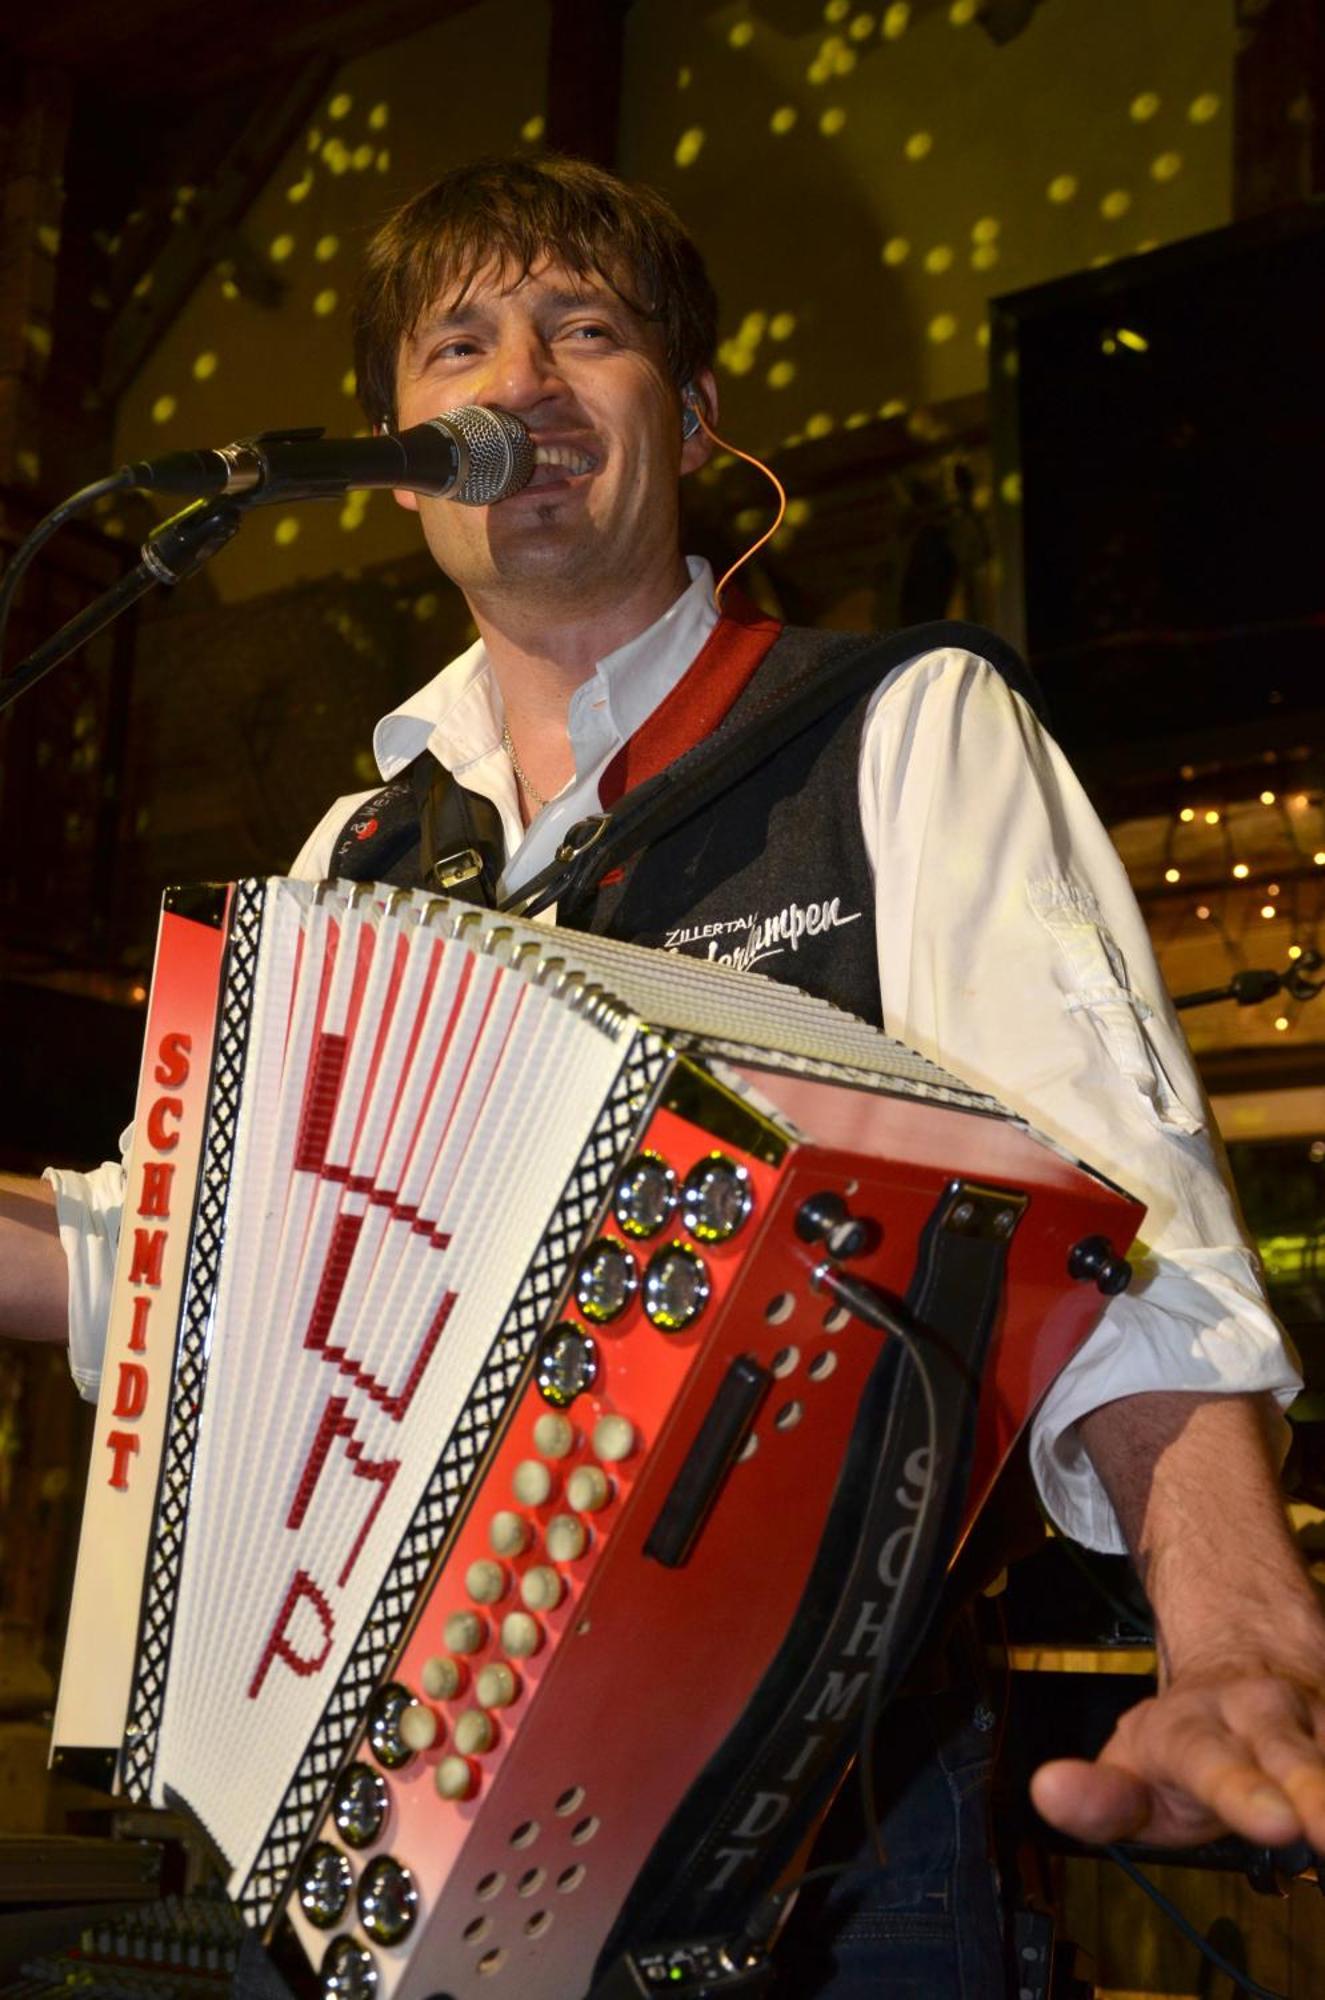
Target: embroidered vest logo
765 937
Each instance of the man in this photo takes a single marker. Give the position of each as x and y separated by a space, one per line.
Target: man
1005 944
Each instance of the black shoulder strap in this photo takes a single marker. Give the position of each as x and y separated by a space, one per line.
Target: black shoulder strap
596 845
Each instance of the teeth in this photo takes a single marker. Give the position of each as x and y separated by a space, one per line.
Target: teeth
564 455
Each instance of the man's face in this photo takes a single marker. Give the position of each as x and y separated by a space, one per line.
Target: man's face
589 378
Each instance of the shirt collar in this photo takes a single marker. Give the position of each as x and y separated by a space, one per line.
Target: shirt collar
457 715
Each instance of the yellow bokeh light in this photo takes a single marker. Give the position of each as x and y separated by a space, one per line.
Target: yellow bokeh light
782 325
1240 871
362 158
1203 108
750 520
280 248
837 10
818 72
741 34
1319 858
781 374
351 518
229 289
1062 187
285 532
204 366
1295 951
38 338
1166 166
143 286
533 129
1212 817
379 118
1267 798
299 189
896 250
689 146
1267 911
919 145
349 383
858 420
982 334
844 60
683 77
325 248
819 425
1187 815
735 358
938 259
1009 488
832 121
1115 204
1143 107
336 155
783 119
961 12
986 229
798 510
753 328
48 239
894 407
942 327
427 606
383 161
314 139
984 256
862 27
896 20
325 303
340 104
163 409
1172 875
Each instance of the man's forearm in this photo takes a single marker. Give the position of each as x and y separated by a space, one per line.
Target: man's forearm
34 1277
1193 1480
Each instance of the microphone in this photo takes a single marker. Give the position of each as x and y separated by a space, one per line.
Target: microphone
473 455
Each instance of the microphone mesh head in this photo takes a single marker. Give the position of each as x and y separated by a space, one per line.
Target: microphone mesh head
501 454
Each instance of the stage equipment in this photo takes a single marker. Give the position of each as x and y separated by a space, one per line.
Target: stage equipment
546 1383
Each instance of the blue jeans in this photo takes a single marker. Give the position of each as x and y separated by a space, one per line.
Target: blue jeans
929 1926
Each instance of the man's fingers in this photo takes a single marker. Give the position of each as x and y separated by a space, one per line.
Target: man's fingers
1091 1802
1293 1760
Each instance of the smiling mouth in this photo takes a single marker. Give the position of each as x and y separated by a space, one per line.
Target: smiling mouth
555 462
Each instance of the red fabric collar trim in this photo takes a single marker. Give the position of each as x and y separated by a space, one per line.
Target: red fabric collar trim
722 667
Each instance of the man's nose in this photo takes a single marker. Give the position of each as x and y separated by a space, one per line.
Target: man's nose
524 372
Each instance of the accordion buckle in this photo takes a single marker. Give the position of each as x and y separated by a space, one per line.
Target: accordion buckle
452 870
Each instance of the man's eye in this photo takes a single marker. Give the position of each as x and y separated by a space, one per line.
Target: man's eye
454 350
590 331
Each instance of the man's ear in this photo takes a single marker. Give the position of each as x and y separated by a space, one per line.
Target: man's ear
409 501
702 392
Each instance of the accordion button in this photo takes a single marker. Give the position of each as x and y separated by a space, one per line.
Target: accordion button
541 1588
382 1719
588 1489
359 1805
508 1533
388 1900
474 1733
441 1679
520 1635
348 1972
531 1483
418 1726
554 1435
567 1538
455 1779
464 1632
613 1439
496 1686
485 1581
325 1882
566 1364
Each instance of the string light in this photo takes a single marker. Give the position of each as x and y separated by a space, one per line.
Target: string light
1172 875
1203 911
1282 1023
1241 870
1267 909
1187 815
1267 798
1212 818
1295 951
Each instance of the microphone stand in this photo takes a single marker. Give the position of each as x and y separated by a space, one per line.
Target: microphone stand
172 552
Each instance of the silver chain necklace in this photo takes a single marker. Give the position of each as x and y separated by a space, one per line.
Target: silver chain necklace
536 799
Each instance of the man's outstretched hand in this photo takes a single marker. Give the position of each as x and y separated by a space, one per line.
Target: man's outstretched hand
1237 1747
1234 1741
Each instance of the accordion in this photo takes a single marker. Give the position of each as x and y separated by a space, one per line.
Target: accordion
504 1491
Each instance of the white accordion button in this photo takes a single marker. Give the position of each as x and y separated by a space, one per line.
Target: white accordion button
613 1439
485 1581
454 1779
588 1489
531 1483
418 1727
508 1533
464 1632
496 1686
567 1538
474 1733
554 1435
520 1635
541 1588
440 1678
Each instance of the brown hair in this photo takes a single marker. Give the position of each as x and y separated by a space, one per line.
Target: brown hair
519 210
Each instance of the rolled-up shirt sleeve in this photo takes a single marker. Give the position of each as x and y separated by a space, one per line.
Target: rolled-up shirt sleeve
88 1208
1012 950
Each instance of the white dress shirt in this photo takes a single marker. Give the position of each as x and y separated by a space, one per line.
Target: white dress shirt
1011 950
